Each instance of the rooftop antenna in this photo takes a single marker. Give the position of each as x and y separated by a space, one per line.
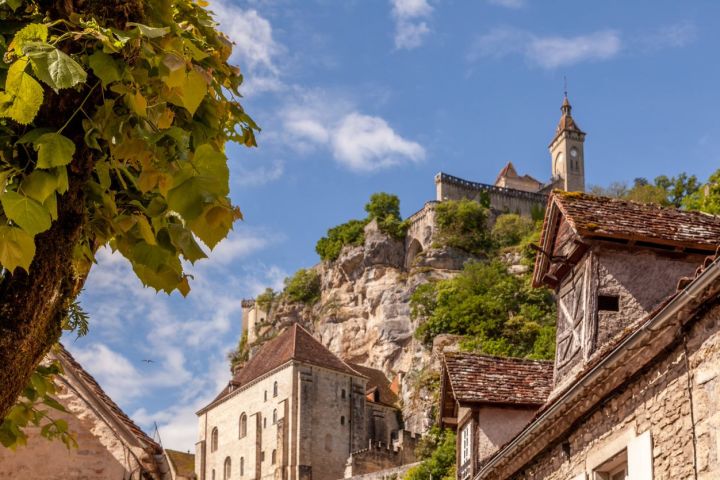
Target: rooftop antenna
156 434
565 85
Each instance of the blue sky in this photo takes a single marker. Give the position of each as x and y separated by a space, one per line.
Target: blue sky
356 97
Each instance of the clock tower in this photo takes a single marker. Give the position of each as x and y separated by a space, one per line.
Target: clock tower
567 153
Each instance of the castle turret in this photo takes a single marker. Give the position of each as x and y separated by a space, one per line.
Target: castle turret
567 153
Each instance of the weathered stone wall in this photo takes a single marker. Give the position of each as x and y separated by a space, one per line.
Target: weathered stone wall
502 200
382 422
395 473
676 399
497 426
377 457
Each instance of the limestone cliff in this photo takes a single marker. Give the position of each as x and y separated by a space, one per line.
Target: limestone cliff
363 314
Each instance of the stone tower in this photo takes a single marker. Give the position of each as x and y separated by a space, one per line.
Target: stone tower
566 151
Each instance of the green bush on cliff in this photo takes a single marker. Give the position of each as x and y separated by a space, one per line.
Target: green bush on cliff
382 207
463 224
265 300
303 287
510 229
500 313
437 453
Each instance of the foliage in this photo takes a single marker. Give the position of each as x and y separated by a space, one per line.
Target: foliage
707 198
31 409
510 229
349 233
145 144
500 313
383 207
265 300
303 287
663 191
462 224
437 452
241 353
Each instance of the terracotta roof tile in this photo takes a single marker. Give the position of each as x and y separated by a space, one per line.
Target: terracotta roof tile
484 378
377 381
592 216
69 362
488 379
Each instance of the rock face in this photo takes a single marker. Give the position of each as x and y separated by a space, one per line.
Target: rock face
364 315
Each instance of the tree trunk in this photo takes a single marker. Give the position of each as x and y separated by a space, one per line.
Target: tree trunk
33 304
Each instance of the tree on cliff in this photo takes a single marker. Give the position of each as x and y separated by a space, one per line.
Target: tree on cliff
113 119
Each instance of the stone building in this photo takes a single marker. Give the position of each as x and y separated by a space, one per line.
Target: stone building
110 445
294 411
487 400
637 368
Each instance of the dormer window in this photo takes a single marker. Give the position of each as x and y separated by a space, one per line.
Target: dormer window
608 303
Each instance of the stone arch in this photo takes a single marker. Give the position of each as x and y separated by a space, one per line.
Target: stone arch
413 250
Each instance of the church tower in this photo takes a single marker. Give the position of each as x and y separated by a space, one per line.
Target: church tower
566 151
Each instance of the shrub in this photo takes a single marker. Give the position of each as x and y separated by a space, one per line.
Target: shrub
510 229
385 208
437 451
499 312
349 233
303 287
265 300
462 224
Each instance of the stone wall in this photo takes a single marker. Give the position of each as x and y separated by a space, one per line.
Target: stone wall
502 200
675 402
395 473
379 456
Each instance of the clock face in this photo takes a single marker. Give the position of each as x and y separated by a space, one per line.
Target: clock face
573 152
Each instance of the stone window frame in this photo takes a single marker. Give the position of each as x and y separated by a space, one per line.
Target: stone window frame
275 389
638 449
242 425
227 469
273 457
214 439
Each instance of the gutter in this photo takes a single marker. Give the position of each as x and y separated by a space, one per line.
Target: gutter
634 340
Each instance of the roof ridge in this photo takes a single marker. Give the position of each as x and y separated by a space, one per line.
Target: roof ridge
498 357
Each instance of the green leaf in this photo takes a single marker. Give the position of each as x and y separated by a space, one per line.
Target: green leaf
17 248
190 197
146 231
35 32
27 213
191 91
150 32
13 4
214 224
54 67
39 185
54 150
104 67
211 163
23 95
183 239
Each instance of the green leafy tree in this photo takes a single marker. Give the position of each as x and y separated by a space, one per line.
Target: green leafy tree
510 229
500 313
385 209
678 187
303 287
462 224
349 233
706 198
266 300
437 453
114 115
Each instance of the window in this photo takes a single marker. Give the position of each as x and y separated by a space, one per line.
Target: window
212 476
226 469
262 456
342 394
243 426
613 469
242 466
342 420
626 456
266 395
608 303
273 457
214 439
274 417
275 389
465 444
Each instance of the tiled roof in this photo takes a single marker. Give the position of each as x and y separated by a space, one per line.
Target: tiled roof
183 463
488 379
377 381
69 363
295 343
507 171
566 120
592 216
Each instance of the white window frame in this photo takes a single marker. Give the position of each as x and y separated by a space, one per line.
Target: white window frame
466 443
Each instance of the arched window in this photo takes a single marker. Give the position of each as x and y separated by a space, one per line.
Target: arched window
273 457
213 474
242 466
274 417
342 420
342 394
227 469
243 426
265 422
214 439
275 390
266 395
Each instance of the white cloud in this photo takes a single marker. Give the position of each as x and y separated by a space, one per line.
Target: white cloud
508 3
254 49
365 143
410 27
549 51
360 142
670 36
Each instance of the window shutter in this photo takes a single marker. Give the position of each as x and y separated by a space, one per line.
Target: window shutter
640 458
